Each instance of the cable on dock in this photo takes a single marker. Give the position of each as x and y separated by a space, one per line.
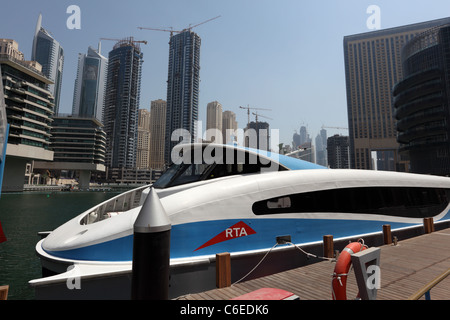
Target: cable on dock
289 243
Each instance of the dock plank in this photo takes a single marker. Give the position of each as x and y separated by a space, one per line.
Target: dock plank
405 269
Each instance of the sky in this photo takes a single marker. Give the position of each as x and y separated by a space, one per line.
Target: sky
282 55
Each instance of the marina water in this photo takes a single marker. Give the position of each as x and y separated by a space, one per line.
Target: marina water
22 216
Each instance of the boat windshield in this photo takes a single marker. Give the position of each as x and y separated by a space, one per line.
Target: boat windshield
183 173
179 174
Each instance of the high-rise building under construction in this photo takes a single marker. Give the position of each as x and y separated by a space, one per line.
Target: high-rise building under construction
182 88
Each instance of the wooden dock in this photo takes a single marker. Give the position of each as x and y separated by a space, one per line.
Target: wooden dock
405 269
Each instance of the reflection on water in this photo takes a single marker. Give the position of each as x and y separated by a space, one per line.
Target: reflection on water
22 216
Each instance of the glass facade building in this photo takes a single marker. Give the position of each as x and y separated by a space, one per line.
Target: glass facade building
421 102
120 114
182 87
89 89
29 111
373 65
78 140
49 53
158 130
29 106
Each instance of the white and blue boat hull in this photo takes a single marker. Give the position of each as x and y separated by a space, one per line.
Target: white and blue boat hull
245 213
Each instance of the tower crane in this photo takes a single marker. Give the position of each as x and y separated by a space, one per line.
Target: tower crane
259 115
178 31
248 111
342 128
130 39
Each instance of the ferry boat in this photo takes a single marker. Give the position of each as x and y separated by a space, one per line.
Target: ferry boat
239 200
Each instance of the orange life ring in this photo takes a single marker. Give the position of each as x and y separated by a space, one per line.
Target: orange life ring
341 269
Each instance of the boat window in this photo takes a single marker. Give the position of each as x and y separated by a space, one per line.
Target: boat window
226 164
179 174
223 170
394 201
283 202
165 178
191 173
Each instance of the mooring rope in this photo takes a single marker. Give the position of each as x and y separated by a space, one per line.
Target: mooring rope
276 244
310 254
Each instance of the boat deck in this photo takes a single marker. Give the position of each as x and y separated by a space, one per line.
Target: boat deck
405 269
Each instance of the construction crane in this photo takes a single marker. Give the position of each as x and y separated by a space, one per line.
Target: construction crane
258 115
248 111
178 31
340 128
130 39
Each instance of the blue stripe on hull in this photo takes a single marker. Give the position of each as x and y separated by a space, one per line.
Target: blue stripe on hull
120 249
186 238
300 230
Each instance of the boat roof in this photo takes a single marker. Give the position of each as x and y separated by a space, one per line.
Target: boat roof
288 162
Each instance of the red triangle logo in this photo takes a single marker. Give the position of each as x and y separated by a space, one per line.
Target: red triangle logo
237 230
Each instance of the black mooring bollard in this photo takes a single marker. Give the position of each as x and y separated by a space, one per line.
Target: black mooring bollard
151 251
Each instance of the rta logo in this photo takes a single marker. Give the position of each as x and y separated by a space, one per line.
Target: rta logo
240 229
235 232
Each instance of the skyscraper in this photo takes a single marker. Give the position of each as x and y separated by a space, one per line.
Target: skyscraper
158 129
120 115
372 68
182 87
143 145
49 53
422 102
89 89
295 140
304 135
229 126
321 148
214 119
